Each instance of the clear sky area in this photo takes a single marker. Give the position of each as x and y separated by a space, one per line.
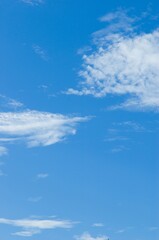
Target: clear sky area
79 120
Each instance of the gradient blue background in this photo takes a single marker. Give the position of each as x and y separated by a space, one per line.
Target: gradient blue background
88 182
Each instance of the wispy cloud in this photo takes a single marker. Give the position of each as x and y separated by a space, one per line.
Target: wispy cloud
118 149
3 151
33 2
121 230
37 128
120 135
153 228
98 225
130 126
40 52
26 233
44 87
10 102
116 138
116 21
87 236
15 104
31 227
124 61
42 175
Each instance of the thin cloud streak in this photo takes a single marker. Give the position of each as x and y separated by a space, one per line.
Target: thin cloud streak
87 236
26 233
31 227
3 151
33 2
42 175
98 225
10 102
37 128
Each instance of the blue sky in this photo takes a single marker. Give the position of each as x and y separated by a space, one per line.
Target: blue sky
79 123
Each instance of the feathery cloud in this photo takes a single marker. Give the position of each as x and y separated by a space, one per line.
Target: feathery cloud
98 225
26 233
31 227
119 149
42 175
3 151
87 236
37 128
130 126
40 52
123 62
33 2
121 231
10 102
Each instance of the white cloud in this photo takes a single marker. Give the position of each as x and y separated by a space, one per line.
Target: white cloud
40 52
26 233
98 225
15 104
3 151
121 231
33 2
119 149
87 236
37 128
31 227
130 126
120 15
116 21
10 102
124 62
42 175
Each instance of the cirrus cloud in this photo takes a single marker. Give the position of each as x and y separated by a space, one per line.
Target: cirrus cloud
87 236
31 227
3 151
36 128
33 2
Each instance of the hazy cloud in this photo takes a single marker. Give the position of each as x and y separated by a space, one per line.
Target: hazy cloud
3 151
40 52
26 233
42 175
130 126
33 2
121 231
10 102
87 236
153 228
98 225
118 149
